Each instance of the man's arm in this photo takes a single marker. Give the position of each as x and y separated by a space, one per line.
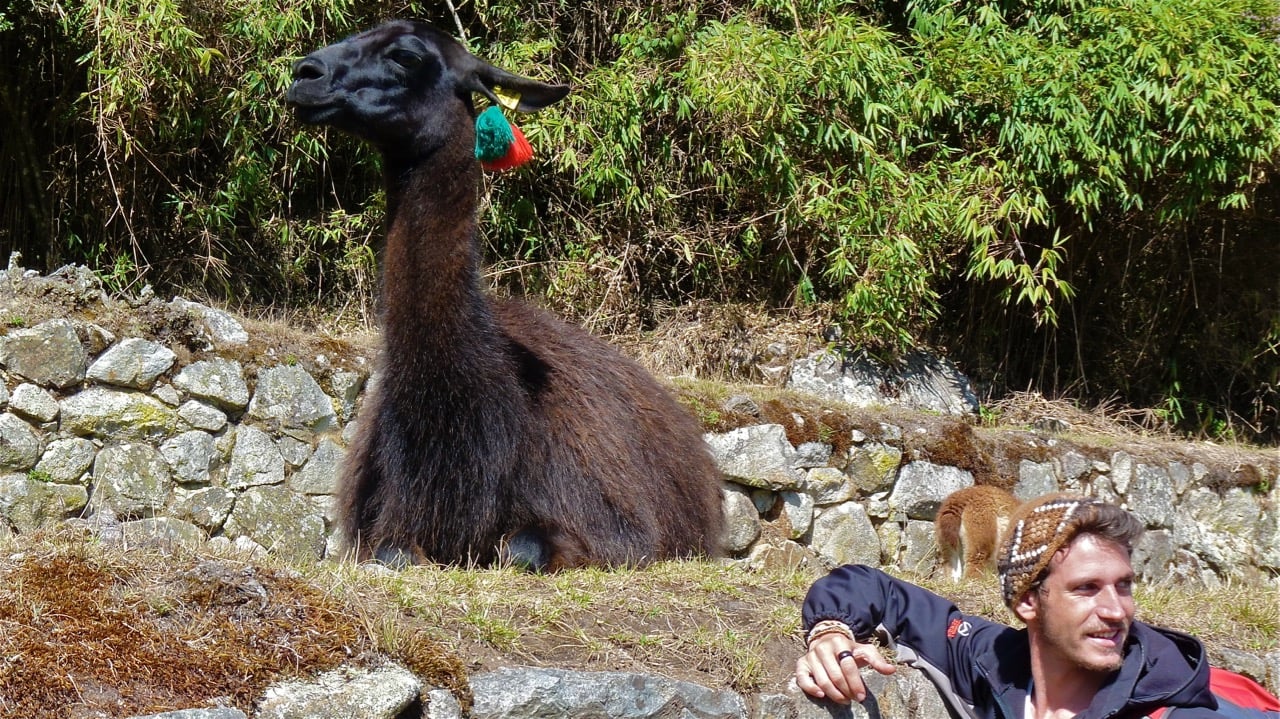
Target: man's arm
867 601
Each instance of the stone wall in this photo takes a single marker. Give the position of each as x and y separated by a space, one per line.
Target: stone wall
119 431
117 428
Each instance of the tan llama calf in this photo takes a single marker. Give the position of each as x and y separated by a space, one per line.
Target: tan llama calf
968 528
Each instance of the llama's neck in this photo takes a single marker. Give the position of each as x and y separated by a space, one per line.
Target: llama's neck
433 302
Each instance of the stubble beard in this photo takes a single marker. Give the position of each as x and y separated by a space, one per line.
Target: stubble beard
1073 645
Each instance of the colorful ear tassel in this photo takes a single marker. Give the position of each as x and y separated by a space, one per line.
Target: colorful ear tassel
499 144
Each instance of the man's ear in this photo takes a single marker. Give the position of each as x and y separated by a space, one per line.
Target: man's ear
1028 606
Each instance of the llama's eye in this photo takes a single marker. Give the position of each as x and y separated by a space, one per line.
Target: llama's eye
405 58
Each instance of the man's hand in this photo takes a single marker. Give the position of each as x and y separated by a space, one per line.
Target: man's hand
830 668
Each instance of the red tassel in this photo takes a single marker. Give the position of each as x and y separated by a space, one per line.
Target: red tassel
519 153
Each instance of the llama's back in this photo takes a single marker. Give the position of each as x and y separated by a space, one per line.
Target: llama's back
629 477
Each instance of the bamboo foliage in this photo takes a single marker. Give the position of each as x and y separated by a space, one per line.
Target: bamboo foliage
969 173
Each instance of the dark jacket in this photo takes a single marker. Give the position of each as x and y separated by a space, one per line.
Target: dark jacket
983 669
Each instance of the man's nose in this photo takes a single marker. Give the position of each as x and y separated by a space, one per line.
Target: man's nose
1112 604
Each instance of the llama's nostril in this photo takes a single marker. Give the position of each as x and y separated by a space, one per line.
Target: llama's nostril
309 68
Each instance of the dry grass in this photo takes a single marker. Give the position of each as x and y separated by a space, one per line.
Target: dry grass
84 629
92 630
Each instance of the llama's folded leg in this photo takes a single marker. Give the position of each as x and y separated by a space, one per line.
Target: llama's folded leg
526 549
394 557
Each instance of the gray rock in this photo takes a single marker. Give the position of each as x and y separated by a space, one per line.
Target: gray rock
779 556
217 328
1180 476
345 387
921 381
828 486
1121 472
349 432
190 455
756 456
741 521
1250 665
764 499
49 354
1272 660
97 338
843 534
440 704
1035 479
872 467
279 519
909 545
1074 468
797 510
1216 529
320 474
219 381
326 506
241 547
812 454
165 532
4 389
114 415
1153 555
166 393
1267 554
133 362
31 402
525 693
207 508
741 404
213 713
67 461
290 396
20 444
28 504
1241 517
922 486
131 479
202 416
295 451
805 707
255 460
908 694
827 375
1151 496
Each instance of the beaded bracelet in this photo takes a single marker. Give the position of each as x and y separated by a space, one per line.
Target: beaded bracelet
828 626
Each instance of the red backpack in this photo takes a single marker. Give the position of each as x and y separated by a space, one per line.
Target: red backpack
1239 697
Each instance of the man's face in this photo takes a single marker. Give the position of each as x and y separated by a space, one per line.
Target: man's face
1085 606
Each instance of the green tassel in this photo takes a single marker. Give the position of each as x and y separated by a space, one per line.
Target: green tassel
493 135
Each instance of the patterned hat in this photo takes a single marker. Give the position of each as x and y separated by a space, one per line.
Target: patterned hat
1037 530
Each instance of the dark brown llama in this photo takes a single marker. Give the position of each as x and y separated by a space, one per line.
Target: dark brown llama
495 431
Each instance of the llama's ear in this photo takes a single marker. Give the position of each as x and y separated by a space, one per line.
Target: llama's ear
511 90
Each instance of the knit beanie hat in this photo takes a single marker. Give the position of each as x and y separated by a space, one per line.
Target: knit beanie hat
1037 530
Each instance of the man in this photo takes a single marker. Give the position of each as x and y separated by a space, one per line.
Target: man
1066 572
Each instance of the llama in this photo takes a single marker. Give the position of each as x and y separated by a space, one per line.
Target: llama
968 528
496 432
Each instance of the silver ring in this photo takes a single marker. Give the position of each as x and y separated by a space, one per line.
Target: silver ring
846 654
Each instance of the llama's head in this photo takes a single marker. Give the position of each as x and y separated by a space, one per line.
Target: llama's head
404 86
